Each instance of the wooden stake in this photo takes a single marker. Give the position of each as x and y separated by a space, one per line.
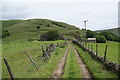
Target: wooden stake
8 68
105 53
91 47
96 49
32 60
119 71
88 46
43 51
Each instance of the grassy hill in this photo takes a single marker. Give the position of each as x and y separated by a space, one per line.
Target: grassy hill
114 31
27 29
7 23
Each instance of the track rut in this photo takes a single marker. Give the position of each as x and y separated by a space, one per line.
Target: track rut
85 73
58 72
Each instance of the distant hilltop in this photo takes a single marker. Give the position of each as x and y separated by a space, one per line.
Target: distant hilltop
113 30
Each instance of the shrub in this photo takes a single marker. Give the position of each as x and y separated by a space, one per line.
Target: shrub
110 36
48 25
100 39
90 34
51 36
5 33
107 35
38 27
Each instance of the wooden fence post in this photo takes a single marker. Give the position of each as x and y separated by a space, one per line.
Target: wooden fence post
86 44
91 47
119 71
8 68
96 49
43 50
32 60
83 44
105 53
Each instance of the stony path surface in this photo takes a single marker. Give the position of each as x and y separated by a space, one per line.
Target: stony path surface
60 67
85 73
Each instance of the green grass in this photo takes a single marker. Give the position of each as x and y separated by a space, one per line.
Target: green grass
26 29
20 63
17 43
8 23
0 59
112 52
114 31
95 67
72 68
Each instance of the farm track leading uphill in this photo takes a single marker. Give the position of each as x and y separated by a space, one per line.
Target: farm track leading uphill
60 67
85 73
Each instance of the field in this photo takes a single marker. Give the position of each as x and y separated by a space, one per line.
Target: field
63 60
18 60
112 52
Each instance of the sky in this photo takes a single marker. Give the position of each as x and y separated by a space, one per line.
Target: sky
101 14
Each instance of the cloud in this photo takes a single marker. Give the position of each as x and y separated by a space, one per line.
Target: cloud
60 1
101 14
14 11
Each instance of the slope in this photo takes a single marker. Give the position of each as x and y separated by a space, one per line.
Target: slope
114 31
27 29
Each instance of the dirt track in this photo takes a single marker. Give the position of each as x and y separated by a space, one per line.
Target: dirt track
83 68
60 67
58 72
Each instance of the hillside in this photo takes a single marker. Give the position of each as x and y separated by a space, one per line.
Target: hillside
114 31
27 29
7 23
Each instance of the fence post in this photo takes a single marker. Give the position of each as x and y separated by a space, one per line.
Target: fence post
43 50
8 68
32 60
88 46
96 49
105 53
83 44
43 53
119 71
91 47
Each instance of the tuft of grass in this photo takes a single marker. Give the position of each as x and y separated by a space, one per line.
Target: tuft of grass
95 67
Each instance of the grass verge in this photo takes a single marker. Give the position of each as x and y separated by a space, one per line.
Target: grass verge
72 68
95 67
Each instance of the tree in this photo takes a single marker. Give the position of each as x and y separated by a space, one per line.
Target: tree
90 34
100 39
106 34
51 36
109 37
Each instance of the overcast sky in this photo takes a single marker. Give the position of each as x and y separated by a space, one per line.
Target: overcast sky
101 14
